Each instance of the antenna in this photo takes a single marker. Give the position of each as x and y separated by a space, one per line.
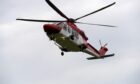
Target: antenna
100 42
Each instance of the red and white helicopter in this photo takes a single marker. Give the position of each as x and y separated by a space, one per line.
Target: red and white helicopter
68 37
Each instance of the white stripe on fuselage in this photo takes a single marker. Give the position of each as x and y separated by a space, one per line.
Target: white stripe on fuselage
63 38
91 52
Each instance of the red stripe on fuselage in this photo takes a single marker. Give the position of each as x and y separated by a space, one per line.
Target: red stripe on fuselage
92 48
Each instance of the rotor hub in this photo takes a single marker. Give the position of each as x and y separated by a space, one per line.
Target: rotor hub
71 20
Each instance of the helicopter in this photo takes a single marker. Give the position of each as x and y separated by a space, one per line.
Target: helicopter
68 37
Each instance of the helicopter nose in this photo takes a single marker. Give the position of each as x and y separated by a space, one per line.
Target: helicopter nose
51 28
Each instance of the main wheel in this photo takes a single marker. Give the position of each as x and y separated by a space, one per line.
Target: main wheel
62 53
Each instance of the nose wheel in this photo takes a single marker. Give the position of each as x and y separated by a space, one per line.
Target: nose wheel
62 53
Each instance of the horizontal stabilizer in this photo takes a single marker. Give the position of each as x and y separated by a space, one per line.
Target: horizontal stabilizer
91 58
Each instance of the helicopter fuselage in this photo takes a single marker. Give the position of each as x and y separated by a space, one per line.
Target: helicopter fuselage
67 36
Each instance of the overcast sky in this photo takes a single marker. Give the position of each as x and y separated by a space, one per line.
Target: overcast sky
28 57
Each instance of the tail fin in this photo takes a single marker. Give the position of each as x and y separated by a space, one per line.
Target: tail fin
103 49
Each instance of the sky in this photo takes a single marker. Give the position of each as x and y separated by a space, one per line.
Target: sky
27 56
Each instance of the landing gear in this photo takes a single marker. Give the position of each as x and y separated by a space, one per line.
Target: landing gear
62 53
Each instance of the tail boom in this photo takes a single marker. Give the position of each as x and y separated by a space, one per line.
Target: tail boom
97 54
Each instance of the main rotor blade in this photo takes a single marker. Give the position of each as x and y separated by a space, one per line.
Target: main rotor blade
96 11
33 20
96 24
56 9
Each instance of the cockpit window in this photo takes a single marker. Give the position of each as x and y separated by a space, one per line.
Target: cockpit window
65 27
